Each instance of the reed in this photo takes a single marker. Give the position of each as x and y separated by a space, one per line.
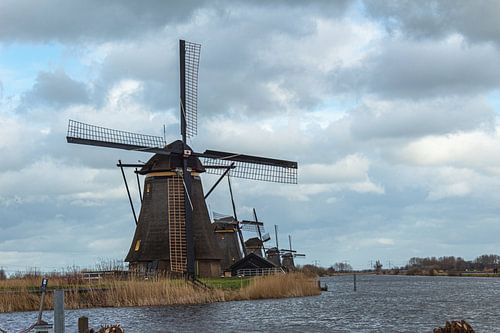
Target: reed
279 286
19 296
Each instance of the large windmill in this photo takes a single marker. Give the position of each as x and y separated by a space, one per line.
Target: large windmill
173 230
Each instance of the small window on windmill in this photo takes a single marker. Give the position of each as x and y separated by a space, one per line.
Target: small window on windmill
148 187
137 245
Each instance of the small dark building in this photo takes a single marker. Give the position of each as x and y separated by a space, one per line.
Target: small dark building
254 245
252 264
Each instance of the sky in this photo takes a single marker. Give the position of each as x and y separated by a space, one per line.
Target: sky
391 109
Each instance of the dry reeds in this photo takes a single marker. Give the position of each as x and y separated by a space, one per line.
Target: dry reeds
279 286
159 292
19 296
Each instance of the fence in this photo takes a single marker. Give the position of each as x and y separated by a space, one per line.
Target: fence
260 271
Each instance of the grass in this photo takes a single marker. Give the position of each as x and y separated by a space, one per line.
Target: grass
227 283
17 294
480 274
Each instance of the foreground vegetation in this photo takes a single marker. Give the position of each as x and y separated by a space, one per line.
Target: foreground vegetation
18 295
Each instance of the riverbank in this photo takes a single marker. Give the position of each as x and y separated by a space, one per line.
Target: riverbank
19 296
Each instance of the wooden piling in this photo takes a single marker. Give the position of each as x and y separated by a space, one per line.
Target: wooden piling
59 311
83 324
354 277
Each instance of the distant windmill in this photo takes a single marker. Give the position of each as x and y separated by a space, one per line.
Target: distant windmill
273 253
226 232
228 227
288 255
173 228
255 244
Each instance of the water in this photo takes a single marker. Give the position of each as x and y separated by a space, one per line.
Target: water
381 304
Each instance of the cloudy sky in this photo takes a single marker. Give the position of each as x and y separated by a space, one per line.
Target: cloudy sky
391 108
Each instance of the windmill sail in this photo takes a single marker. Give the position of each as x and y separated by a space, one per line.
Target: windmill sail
86 134
252 167
254 226
189 61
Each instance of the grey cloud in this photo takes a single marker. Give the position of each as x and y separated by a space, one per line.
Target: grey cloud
402 119
56 89
233 79
235 72
415 70
476 20
99 20
74 20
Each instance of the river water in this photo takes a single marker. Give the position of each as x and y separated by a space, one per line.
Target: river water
380 304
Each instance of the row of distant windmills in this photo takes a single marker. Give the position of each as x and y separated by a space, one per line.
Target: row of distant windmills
237 253
173 230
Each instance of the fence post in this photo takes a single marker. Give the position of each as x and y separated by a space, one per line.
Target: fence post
83 324
59 311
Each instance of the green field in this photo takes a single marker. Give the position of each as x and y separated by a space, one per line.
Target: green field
227 282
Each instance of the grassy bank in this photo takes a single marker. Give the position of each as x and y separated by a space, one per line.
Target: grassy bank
18 295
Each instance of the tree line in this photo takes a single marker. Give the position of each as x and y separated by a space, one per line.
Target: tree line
482 263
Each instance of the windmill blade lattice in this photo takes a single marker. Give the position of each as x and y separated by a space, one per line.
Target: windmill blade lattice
252 228
92 135
191 65
251 167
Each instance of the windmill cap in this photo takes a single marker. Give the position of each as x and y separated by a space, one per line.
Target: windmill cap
162 162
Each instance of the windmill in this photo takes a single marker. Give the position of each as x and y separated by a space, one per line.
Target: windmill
275 254
226 231
173 230
227 228
288 255
255 244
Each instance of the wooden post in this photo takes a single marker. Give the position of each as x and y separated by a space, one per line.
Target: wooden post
355 282
59 311
83 324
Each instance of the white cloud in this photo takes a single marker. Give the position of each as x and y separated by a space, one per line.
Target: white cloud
351 168
478 150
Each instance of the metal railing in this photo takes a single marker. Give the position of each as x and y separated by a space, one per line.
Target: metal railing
260 271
